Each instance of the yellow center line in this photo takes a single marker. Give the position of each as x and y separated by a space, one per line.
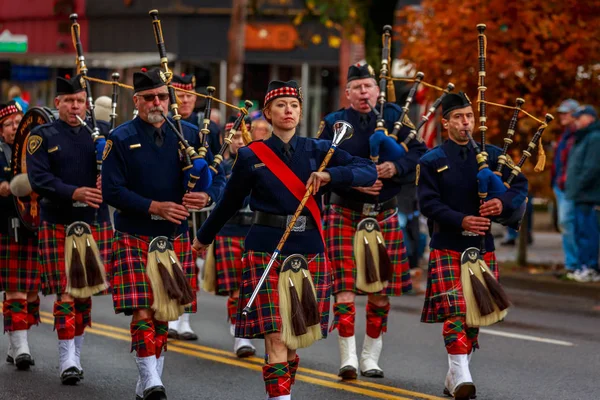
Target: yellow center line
249 363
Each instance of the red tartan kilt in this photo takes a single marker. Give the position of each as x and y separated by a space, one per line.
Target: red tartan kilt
52 254
340 225
264 315
19 266
444 296
228 263
131 288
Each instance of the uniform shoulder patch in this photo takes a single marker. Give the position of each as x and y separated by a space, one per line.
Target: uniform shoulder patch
418 174
33 143
107 149
321 127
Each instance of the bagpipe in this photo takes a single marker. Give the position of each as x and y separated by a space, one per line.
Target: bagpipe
115 99
486 301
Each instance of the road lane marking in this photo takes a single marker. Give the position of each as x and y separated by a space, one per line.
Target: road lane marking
255 363
526 337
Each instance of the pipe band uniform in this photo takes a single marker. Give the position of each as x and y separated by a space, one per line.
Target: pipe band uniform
274 174
348 210
75 232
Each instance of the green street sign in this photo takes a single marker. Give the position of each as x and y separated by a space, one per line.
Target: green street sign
10 43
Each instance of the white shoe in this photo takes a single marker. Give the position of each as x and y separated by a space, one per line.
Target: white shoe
243 348
370 357
184 330
69 373
160 364
19 349
232 329
458 380
585 274
78 346
284 397
149 381
349 364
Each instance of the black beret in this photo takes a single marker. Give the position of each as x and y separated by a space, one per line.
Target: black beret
360 72
454 101
146 80
70 85
184 81
283 89
10 108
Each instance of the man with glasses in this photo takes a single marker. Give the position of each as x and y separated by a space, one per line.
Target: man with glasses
142 178
349 206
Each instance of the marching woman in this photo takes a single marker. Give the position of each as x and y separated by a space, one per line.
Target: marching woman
276 173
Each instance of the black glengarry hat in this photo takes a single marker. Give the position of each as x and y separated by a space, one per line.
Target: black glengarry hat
68 85
148 79
454 101
283 89
360 72
8 109
184 81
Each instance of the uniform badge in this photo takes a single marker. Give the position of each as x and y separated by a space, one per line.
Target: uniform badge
321 127
107 149
193 82
468 99
300 94
33 144
19 107
82 81
418 174
162 76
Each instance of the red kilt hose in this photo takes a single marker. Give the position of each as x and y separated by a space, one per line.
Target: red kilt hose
52 254
228 263
264 315
19 266
131 288
444 296
340 226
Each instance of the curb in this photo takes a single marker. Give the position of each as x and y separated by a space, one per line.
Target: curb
551 285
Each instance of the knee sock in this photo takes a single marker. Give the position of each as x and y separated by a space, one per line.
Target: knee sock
15 315
33 312
161 330
343 319
277 379
293 367
83 315
232 306
473 339
64 319
455 336
377 317
142 337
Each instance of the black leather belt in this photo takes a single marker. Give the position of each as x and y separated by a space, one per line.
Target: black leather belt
364 208
303 223
241 218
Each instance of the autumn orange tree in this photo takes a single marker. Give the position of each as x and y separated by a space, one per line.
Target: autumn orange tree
543 51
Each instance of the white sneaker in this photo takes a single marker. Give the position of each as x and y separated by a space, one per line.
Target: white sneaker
369 357
584 274
349 358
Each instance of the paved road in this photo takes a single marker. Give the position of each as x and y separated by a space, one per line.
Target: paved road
536 354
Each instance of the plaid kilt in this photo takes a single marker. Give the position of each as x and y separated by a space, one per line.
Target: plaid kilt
264 315
131 288
228 259
19 266
444 296
340 225
52 254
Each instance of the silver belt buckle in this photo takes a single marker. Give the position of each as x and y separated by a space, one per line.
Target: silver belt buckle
154 217
79 204
299 225
468 233
369 209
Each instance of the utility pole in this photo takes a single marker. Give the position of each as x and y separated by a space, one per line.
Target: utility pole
235 59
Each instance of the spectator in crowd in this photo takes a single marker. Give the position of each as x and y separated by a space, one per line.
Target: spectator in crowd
565 207
14 93
583 188
261 129
102 108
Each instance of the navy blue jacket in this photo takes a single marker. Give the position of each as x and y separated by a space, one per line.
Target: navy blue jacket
7 208
136 172
358 145
230 228
60 159
447 190
268 194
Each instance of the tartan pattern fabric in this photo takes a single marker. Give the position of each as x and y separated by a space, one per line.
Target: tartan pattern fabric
344 315
33 312
232 306
15 315
264 317
228 263
161 329
8 110
293 367
455 336
52 254
64 319
377 317
339 225
444 296
473 338
285 91
19 266
83 315
277 379
142 337
130 285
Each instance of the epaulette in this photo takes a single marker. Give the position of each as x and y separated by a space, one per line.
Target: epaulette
434 154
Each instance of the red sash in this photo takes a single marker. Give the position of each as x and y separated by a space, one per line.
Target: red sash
288 178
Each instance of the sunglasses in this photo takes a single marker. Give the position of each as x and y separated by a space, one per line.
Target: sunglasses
150 97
